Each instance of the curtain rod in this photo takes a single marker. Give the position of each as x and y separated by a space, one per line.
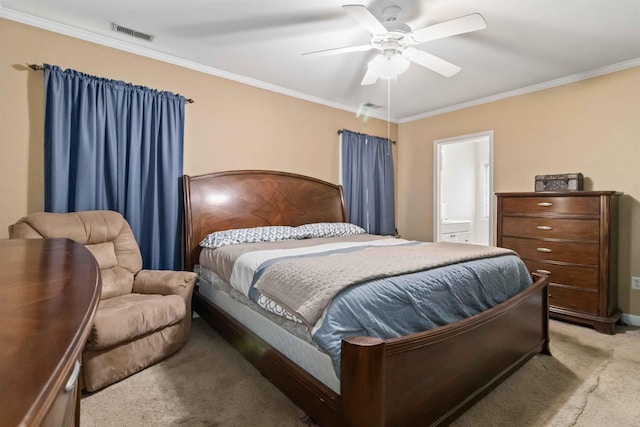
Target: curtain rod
37 67
340 133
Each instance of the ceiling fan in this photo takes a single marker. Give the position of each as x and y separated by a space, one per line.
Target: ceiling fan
395 41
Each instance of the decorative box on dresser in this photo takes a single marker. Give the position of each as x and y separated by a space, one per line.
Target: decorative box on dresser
572 237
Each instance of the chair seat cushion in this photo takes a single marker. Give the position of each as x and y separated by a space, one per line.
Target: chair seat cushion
126 317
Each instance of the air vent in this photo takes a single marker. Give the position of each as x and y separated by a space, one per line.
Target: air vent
370 105
130 32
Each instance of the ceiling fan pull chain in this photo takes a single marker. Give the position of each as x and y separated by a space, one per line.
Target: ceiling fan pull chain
388 113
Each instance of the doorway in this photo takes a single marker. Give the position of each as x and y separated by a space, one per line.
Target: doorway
463 189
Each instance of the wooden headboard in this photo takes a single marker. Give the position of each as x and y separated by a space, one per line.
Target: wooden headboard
254 198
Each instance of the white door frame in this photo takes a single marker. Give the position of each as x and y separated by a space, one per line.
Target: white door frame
437 165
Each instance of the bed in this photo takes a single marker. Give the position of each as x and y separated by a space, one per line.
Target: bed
425 378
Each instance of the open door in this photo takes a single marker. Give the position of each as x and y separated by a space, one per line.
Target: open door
463 189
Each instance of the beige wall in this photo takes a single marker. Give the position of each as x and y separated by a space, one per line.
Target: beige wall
591 126
230 125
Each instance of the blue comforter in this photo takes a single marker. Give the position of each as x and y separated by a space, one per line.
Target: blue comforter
410 303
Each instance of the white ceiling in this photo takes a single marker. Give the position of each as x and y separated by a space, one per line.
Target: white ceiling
528 44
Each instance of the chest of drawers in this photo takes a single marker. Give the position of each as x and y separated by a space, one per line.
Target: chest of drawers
572 237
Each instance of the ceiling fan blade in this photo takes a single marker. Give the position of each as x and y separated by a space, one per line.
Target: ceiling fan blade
431 62
339 50
366 18
369 78
464 24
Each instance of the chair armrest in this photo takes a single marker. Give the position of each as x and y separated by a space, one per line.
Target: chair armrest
165 282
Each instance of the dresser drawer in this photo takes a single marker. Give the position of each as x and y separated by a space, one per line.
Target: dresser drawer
64 409
569 275
570 299
553 205
576 253
584 230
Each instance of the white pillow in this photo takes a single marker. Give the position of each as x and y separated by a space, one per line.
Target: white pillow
237 236
329 229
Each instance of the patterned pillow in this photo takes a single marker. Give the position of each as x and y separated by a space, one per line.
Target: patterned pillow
329 229
237 236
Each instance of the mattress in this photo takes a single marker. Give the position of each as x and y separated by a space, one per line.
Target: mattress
291 342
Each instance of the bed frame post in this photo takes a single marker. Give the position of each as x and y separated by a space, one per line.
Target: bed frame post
545 313
362 381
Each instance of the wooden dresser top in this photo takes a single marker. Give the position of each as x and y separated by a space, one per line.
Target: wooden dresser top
558 193
49 292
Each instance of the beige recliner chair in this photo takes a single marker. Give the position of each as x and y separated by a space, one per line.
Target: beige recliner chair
143 315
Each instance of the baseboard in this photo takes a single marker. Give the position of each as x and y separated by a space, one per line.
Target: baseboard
630 319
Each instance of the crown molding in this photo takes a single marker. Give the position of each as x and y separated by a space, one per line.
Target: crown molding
150 53
103 40
529 89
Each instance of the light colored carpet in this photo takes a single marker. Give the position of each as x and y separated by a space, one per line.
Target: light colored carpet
592 380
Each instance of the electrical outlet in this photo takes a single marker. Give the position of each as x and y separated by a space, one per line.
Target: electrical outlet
635 283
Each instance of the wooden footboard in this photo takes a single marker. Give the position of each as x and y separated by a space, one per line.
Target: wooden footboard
429 378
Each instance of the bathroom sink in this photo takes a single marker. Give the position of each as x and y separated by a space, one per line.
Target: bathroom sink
455 225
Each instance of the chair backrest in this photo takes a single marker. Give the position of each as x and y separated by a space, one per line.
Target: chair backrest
105 233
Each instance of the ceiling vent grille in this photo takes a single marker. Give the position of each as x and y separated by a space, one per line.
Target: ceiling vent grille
371 105
130 32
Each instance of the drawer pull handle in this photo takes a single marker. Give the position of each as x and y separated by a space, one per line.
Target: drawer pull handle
543 271
544 227
73 379
545 250
545 204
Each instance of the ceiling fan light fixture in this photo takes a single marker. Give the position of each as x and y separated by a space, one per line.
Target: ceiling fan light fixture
395 40
387 67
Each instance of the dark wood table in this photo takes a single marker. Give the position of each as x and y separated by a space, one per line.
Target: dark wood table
49 293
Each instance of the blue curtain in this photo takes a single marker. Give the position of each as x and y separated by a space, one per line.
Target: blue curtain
112 145
367 178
